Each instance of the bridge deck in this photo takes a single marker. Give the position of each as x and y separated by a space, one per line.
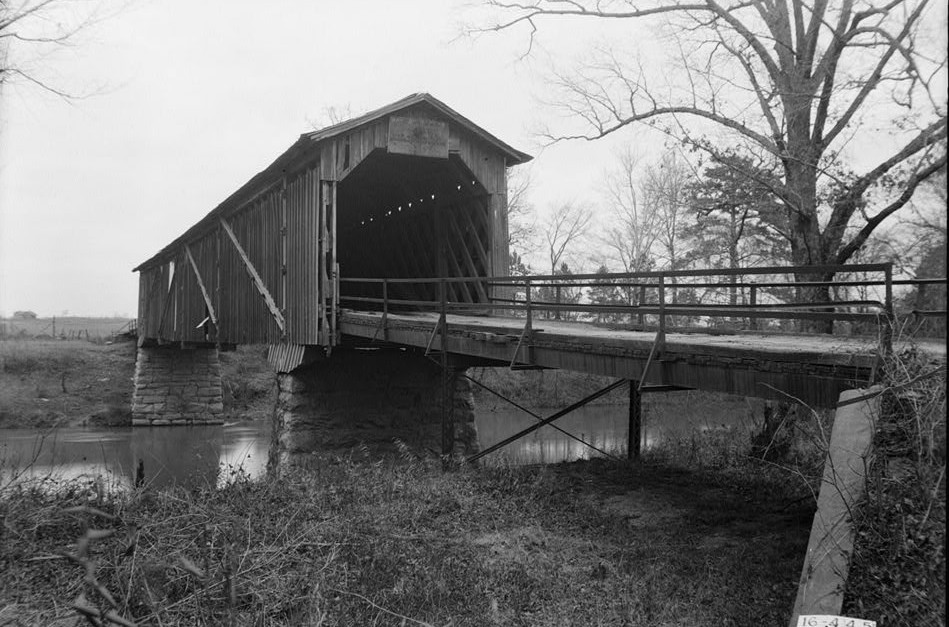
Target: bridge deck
813 369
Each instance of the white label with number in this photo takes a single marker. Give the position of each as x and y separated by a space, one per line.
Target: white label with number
826 620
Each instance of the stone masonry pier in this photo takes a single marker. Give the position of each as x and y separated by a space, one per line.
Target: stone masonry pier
372 397
176 386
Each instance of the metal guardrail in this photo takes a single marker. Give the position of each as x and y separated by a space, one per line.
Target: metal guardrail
649 300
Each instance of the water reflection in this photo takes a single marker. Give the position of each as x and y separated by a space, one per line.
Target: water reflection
216 454
189 455
672 415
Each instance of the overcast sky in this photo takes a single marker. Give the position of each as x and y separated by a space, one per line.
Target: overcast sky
193 98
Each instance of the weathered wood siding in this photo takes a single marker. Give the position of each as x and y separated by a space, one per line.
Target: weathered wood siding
348 150
300 299
278 229
152 292
245 317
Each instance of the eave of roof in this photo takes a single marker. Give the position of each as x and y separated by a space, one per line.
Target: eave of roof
309 140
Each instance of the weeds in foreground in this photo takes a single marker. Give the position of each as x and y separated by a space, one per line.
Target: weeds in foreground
351 541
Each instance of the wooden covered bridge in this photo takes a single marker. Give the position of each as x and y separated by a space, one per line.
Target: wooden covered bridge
372 258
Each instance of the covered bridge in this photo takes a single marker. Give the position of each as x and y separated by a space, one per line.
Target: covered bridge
411 190
380 195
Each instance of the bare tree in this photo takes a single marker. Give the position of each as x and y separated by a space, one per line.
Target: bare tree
665 186
794 79
634 228
31 29
564 228
331 115
925 222
522 222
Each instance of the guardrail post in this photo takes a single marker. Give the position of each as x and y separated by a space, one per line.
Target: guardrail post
662 311
754 303
642 299
385 310
888 310
557 292
448 400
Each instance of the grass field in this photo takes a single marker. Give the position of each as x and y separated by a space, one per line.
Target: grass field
47 383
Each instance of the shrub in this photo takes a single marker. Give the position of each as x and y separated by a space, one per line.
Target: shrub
898 574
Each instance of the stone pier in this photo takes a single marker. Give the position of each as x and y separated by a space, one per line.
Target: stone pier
177 386
372 397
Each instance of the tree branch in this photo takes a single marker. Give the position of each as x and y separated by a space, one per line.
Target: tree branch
872 81
863 234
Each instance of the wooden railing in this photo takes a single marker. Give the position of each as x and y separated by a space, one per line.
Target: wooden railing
756 299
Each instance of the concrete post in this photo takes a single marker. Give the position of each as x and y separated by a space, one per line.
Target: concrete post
827 563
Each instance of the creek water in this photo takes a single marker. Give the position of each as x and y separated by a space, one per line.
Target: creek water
215 454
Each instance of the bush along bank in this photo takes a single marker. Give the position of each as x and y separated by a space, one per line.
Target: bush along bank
898 572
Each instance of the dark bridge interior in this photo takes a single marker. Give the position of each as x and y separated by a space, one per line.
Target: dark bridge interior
398 214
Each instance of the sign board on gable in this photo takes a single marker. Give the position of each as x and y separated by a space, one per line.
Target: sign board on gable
419 137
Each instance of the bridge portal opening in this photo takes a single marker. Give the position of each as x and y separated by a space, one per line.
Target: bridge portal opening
402 216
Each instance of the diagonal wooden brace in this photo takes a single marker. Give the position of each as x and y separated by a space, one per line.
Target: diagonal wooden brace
204 290
258 282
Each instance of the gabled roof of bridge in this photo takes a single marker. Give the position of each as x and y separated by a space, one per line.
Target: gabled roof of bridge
308 141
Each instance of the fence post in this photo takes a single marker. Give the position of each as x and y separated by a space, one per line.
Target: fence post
527 302
754 304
